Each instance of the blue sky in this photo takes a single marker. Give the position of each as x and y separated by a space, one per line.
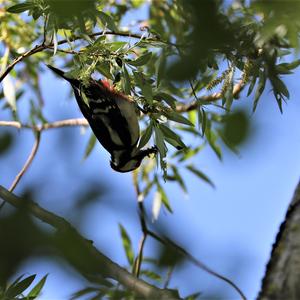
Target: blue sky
230 228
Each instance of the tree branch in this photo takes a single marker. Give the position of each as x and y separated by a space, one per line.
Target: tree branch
46 126
139 259
209 98
26 165
168 242
282 277
101 263
28 161
43 46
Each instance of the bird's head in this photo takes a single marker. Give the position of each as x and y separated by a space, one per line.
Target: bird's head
128 161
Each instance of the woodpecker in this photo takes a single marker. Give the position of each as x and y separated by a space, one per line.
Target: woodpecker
113 119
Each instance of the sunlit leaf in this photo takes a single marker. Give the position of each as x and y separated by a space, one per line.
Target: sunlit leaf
212 140
156 205
167 132
260 88
251 86
21 7
176 117
146 136
140 61
179 178
202 119
126 81
90 146
37 288
169 99
151 274
159 141
160 68
84 292
19 287
127 245
107 21
201 175
9 92
164 198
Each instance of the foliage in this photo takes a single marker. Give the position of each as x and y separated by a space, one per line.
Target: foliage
169 64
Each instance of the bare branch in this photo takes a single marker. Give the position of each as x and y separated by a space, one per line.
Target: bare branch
41 47
208 98
103 266
28 161
36 49
168 242
138 262
46 126
282 275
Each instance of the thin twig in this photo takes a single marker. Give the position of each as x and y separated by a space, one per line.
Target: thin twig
97 263
166 241
28 53
209 98
26 165
169 275
46 126
28 161
41 47
138 262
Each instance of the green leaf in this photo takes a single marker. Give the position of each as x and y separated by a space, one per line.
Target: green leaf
55 42
84 292
200 174
202 119
104 68
100 40
140 61
260 88
84 96
19 287
19 8
164 198
36 13
37 288
178 178
107 21
168 133
160 68
285 67
115 46
90 146
146 136
127 245
9 92
150 274
229 96
159 141
126 81
191 152
280 87
176 117
251 86
156 205
193 296
169 99
212 139
145 87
